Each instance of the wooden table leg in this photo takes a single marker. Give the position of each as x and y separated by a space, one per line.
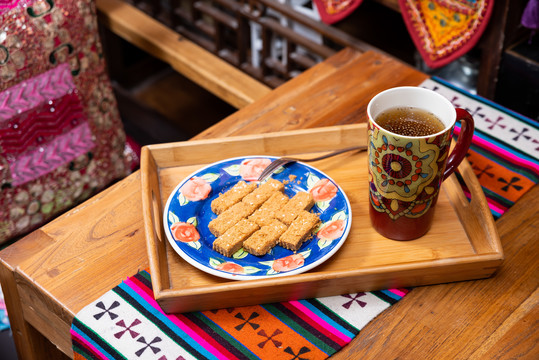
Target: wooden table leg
30 343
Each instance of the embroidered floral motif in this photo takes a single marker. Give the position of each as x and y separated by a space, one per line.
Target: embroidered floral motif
354 298
443 30
106 310
270 338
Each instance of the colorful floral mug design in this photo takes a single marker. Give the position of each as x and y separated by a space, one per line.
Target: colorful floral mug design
405 173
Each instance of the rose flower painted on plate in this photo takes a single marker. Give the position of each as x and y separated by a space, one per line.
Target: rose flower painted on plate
250 169
231 268
332 230
184 232
288 263
196 189
323 190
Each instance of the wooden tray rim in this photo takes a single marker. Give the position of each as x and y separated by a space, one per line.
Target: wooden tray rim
489 253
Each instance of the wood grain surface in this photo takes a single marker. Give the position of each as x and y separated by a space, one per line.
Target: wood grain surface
496 318
335 91
54 272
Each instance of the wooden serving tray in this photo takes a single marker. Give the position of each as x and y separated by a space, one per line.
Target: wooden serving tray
462 244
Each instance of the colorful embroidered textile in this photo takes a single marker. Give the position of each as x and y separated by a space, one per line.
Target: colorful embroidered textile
127 323
61 137
505 149
4 320
332 11
444 30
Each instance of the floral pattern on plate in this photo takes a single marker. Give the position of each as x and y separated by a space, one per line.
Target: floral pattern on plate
188 212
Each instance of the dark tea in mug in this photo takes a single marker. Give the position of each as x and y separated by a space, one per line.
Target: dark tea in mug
409 121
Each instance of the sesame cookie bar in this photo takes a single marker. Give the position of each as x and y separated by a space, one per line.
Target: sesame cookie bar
299 231
266 213
232 196
230 217
300 202
232 240
263 240
263 192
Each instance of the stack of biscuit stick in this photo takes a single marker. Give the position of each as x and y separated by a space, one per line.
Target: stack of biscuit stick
258 218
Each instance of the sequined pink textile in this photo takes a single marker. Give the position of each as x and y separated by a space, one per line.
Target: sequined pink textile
8 4
61 138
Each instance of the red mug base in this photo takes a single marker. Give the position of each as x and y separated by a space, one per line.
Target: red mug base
403 228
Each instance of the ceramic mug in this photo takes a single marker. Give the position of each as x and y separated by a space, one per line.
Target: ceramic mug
406 172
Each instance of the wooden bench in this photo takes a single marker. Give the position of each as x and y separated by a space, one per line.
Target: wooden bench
197 64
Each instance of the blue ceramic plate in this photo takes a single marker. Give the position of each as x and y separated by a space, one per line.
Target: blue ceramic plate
188 212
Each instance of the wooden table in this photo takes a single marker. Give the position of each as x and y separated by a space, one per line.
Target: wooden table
51 274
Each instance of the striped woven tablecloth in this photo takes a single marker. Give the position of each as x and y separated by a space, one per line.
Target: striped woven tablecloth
127 323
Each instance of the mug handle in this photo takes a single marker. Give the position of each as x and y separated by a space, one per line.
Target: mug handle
463 143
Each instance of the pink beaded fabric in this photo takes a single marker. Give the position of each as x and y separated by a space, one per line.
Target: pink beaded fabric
61 137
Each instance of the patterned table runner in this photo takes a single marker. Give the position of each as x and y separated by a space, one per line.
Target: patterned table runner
127 323
505 150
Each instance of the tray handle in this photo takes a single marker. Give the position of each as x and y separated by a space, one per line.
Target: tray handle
152 210
474 214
